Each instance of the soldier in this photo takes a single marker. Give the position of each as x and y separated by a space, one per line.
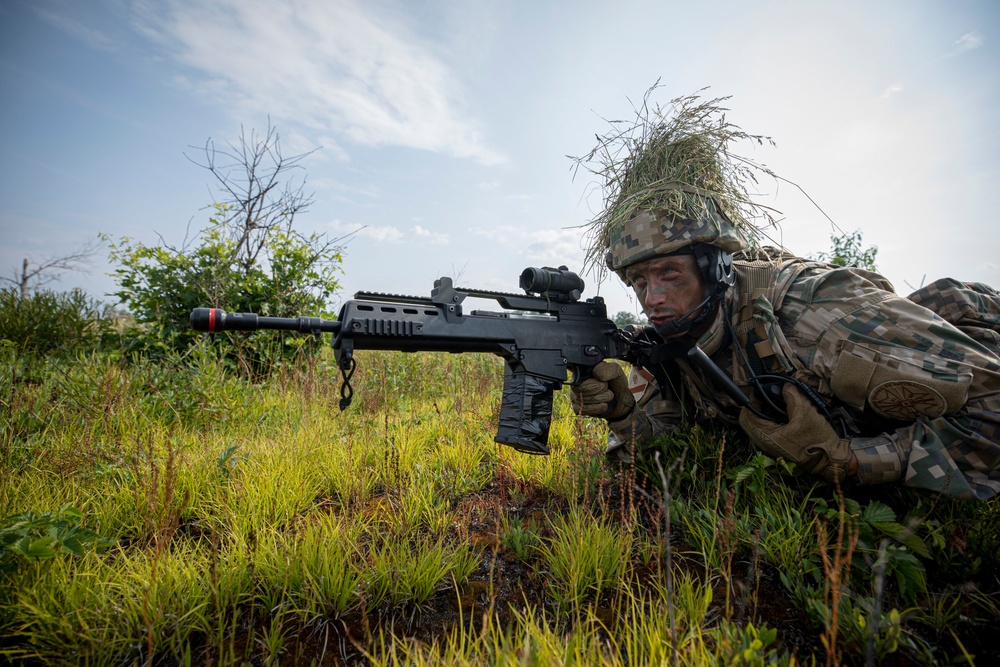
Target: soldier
850 381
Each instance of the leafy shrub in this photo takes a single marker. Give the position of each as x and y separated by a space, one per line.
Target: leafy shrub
161 286
248 259
48 322
29 536
848 251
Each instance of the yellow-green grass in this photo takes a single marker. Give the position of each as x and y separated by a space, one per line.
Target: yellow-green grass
259 524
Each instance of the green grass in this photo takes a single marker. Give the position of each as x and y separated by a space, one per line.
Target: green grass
258 524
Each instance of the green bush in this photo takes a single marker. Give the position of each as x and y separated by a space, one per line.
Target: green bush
59 323
249 258
848 251
31 536
160 286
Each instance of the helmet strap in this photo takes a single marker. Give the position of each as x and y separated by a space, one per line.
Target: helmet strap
690 320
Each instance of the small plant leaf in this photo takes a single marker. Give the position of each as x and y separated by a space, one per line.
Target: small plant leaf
34 549
876 513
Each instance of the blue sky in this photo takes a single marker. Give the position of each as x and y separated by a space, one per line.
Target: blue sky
444 126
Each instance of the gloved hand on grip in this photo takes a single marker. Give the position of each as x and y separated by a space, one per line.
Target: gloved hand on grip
807 440
604 394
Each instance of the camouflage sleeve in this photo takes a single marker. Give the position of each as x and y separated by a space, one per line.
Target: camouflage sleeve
931 392
653 415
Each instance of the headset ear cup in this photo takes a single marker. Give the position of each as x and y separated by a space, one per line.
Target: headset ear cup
706 264
716 267
728 274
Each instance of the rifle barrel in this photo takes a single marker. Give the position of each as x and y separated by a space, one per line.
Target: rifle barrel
216 319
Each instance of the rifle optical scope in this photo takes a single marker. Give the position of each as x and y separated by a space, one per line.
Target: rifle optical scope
558 284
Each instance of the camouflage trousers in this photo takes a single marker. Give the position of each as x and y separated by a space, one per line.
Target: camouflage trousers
974 309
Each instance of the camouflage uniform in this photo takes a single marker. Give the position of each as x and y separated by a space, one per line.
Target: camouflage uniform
923 390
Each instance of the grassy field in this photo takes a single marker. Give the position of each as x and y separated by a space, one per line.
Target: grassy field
169 513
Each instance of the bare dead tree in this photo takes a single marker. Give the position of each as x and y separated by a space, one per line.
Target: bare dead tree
34 274
258 195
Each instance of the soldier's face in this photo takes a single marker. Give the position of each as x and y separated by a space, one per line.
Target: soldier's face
667 287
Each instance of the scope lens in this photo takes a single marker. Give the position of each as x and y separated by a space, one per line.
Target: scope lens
547 279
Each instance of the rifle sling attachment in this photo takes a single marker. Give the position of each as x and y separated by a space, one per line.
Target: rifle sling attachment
347 368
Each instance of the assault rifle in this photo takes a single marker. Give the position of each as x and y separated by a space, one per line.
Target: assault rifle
546 334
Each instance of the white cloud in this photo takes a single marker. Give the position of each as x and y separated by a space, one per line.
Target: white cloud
337 66
892 90
967 42
538 245
339 191
384 234
970 40
95 39
388 233
435 238
377 233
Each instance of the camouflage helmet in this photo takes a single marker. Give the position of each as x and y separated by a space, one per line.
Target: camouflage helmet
672 181
652 233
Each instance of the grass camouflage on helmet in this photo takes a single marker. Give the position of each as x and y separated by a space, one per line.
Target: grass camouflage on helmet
670 180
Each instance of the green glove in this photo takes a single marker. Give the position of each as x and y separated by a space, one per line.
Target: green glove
604 394
807 440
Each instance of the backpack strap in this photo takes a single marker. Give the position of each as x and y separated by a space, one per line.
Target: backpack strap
754 278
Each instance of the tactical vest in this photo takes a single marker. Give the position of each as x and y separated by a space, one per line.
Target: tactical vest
756 330
755 325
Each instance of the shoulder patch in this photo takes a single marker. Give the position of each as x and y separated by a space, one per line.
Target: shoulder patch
906 400
638 380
